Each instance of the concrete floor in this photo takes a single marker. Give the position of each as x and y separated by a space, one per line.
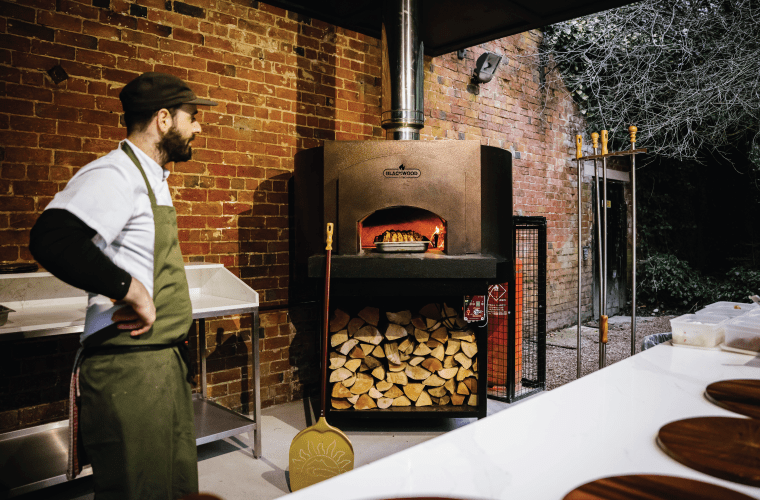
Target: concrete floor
227 468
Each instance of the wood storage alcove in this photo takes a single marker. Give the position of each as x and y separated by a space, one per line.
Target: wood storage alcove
405 357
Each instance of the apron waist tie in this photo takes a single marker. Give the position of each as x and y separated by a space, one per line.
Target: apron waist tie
182 347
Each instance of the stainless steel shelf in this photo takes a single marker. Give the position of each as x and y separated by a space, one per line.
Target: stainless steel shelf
36 458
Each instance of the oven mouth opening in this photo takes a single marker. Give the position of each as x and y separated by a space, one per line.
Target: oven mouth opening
401 224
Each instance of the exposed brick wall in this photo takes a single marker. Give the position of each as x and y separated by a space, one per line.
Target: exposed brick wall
284 83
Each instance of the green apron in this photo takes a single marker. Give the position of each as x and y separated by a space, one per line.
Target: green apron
136 417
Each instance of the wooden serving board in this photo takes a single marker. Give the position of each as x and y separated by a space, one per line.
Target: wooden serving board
741 396
723 447
651 487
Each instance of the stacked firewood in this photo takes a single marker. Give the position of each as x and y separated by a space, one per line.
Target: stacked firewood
425 359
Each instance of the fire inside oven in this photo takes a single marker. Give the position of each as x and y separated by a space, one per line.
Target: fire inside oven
403 224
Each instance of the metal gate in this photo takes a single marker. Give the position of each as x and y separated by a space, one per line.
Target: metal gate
517 318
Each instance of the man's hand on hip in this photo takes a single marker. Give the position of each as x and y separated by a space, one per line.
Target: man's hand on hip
140 313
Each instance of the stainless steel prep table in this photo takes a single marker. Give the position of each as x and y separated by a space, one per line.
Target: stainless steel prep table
36 457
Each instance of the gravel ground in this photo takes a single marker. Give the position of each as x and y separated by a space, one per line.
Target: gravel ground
562 362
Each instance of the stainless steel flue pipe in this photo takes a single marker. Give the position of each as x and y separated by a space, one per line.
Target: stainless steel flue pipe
403 72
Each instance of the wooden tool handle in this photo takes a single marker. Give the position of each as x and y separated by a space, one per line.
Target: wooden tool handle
632 130
603 329
604 142
329 236
578 145
595 140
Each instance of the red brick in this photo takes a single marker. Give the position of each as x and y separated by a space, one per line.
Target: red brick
73 158
58 20
117 48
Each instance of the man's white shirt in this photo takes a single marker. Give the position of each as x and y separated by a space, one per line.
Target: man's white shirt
110 196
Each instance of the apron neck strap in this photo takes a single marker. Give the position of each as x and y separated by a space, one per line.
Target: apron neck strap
125 147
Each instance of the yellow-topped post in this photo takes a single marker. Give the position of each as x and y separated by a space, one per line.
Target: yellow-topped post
632 130
578 145
604 142
595 141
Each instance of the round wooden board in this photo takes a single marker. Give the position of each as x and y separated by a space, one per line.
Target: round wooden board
723 447
741 396
651 487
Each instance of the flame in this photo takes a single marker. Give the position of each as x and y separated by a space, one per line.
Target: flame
437 230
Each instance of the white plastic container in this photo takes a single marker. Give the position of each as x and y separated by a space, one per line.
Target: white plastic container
730 309
694 330
743 333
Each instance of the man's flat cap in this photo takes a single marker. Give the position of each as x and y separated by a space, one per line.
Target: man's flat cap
150 92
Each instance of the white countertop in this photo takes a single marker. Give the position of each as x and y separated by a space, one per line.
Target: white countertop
43 305
601 425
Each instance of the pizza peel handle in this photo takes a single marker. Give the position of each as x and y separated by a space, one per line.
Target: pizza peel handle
321 451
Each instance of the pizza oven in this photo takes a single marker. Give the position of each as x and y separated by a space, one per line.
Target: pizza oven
448 202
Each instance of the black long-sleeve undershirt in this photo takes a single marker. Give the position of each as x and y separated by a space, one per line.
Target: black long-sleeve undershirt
63 245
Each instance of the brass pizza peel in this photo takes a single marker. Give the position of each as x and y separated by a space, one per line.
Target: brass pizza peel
321 451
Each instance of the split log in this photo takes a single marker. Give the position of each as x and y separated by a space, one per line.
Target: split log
374 393
432 324
413 391
450 385
448 362
353 364
353 399
395 332
422 350
356 352
391 352
379 373
423 400
347 346
438 352
340 374
349 381
354 325
366 348
448 373
397 378
463 389
339 320
384 403
372 363
340 404
434 381
432 364
463 373
470 349
403 356
417 360
406 346
401 401
337 339
369 335
437 392
472 384
378 352
444 400
441 335
463 360
418 322
421 335
363 383
383 385
397 368
473 401
431 311
457 399
394 392
399 318
336 360
475 366
416 373
371 315
452 347
365 403
340 391
463 335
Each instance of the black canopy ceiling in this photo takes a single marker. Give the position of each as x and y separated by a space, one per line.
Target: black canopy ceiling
449 25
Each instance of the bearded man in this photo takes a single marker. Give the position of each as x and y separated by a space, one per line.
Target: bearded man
112 231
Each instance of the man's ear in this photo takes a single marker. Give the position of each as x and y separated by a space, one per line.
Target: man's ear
164 120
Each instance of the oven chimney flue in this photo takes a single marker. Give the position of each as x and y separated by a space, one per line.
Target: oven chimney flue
403 73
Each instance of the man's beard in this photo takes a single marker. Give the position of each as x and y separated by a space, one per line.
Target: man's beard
174 147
